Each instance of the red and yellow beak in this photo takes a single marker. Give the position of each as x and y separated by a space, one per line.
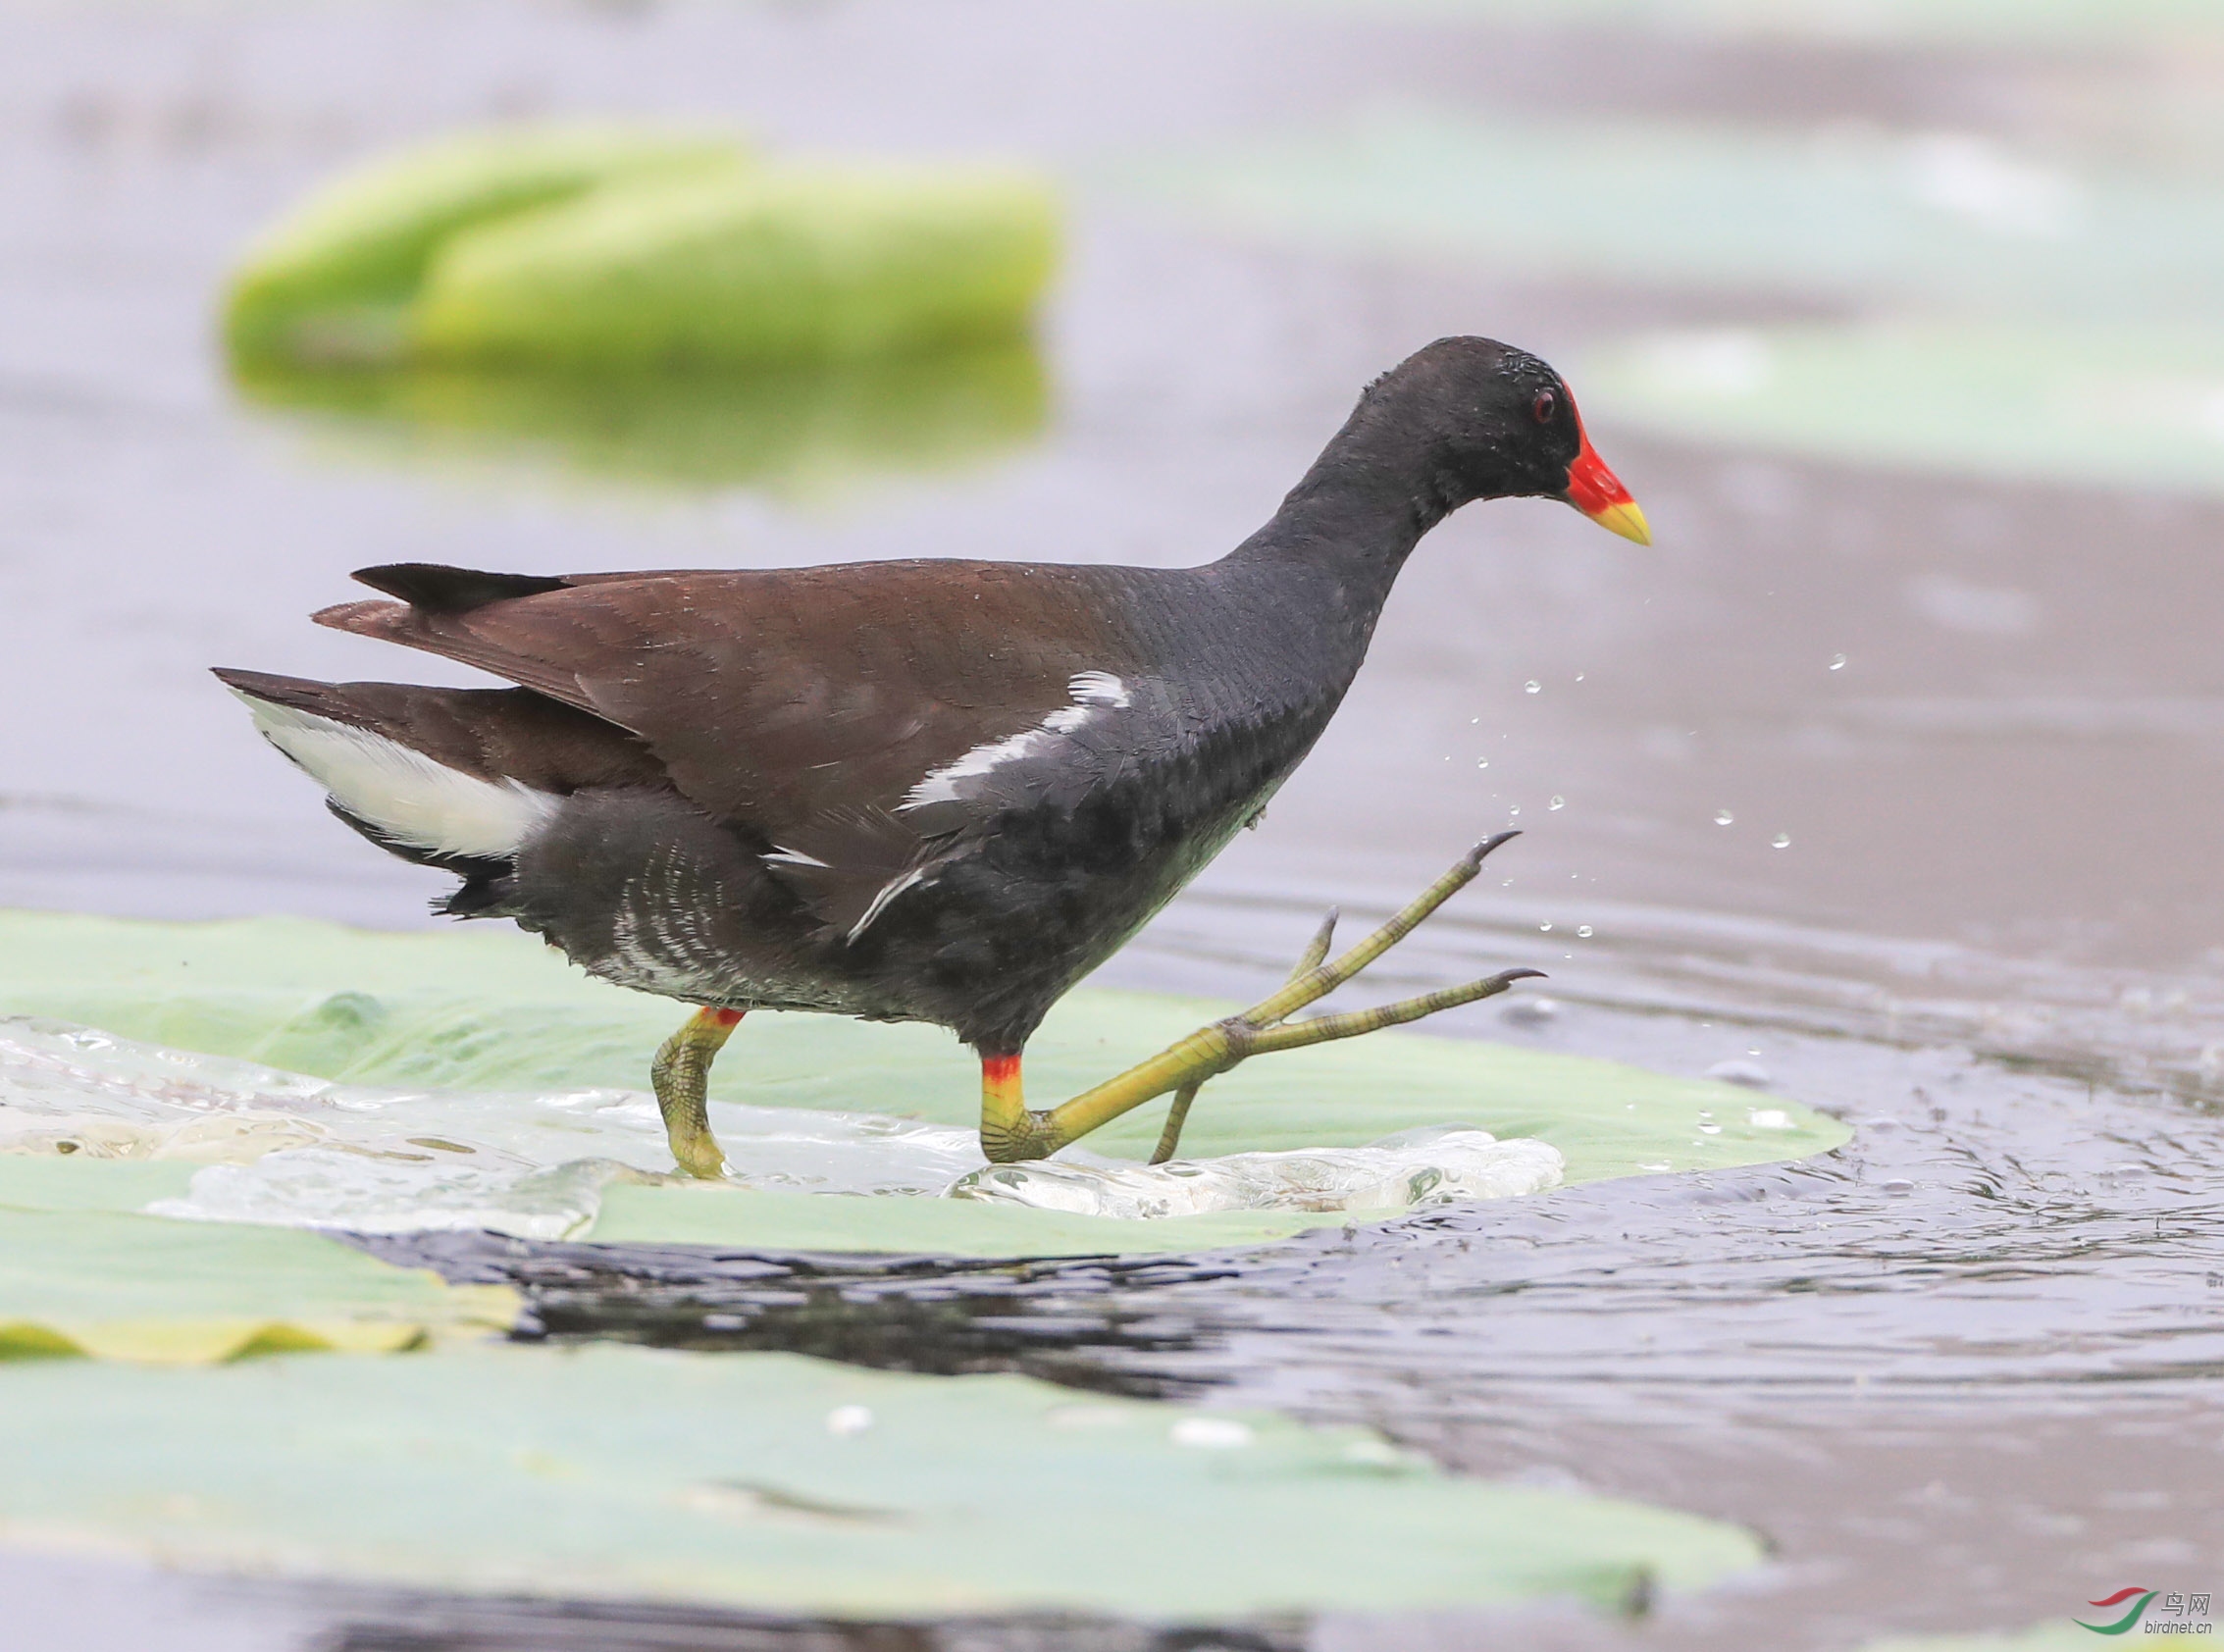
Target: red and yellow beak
1598 494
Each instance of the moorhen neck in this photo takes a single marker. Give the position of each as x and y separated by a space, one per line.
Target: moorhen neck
929 791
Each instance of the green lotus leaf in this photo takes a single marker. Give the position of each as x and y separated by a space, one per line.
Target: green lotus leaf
776 1482
2020 403
333 279
796 262
139 1288
1842 216
491 1011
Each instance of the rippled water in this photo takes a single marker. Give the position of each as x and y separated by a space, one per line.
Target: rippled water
1961 1374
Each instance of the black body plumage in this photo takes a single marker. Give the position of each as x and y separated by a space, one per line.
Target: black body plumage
929 791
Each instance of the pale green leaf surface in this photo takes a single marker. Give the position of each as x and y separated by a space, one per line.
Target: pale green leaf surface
333 277
1936 219
717 1480
795 262
2122 406
134 1287
494 1010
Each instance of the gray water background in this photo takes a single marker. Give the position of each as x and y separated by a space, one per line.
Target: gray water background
1961 1376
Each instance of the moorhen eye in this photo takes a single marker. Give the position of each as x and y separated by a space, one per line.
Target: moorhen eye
1545 405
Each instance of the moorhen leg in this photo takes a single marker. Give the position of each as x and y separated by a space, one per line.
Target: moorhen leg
1009 1130
681 1074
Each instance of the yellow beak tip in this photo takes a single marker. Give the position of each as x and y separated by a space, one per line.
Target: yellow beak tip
1625 519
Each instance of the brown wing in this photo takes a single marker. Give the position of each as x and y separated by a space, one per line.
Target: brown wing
805 703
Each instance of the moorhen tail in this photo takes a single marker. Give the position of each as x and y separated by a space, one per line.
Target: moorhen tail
931 791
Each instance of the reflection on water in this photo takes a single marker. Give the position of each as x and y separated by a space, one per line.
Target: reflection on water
790 430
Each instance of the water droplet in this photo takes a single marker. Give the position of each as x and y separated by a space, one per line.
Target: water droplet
848 1419
1899 1187
1584 930
1211 1433
1483 762
1710 1129
1544 929
1837 662
1474 720
1558 802
1769 1118
1723 818
1533 687
1783 840
1579 676
1513 808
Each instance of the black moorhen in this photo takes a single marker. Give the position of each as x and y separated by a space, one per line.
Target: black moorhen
930 790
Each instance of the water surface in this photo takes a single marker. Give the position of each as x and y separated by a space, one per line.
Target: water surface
1900 791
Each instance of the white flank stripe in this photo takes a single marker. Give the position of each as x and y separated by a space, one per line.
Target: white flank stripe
791 856
888 892
403 792
1097 687
1093 691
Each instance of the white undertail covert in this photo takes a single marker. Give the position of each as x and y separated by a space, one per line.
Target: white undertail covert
403 794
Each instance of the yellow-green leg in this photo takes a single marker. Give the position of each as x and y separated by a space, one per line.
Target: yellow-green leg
1011 1130
681 1075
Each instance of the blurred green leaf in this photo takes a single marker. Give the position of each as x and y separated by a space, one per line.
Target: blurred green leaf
331 280
1853 215
794 262
2131 408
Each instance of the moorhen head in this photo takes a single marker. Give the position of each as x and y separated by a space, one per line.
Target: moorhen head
1469 419
927 790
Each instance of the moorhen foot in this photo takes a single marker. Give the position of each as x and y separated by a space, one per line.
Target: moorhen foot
928 791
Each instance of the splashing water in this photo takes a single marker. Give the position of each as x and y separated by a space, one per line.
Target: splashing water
288 1149
1437 1164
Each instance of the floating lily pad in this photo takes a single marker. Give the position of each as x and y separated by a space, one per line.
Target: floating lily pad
747 267
2127 407
128 1287
795 430
776 1482
1853 216
494 1011
333 279
619 247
